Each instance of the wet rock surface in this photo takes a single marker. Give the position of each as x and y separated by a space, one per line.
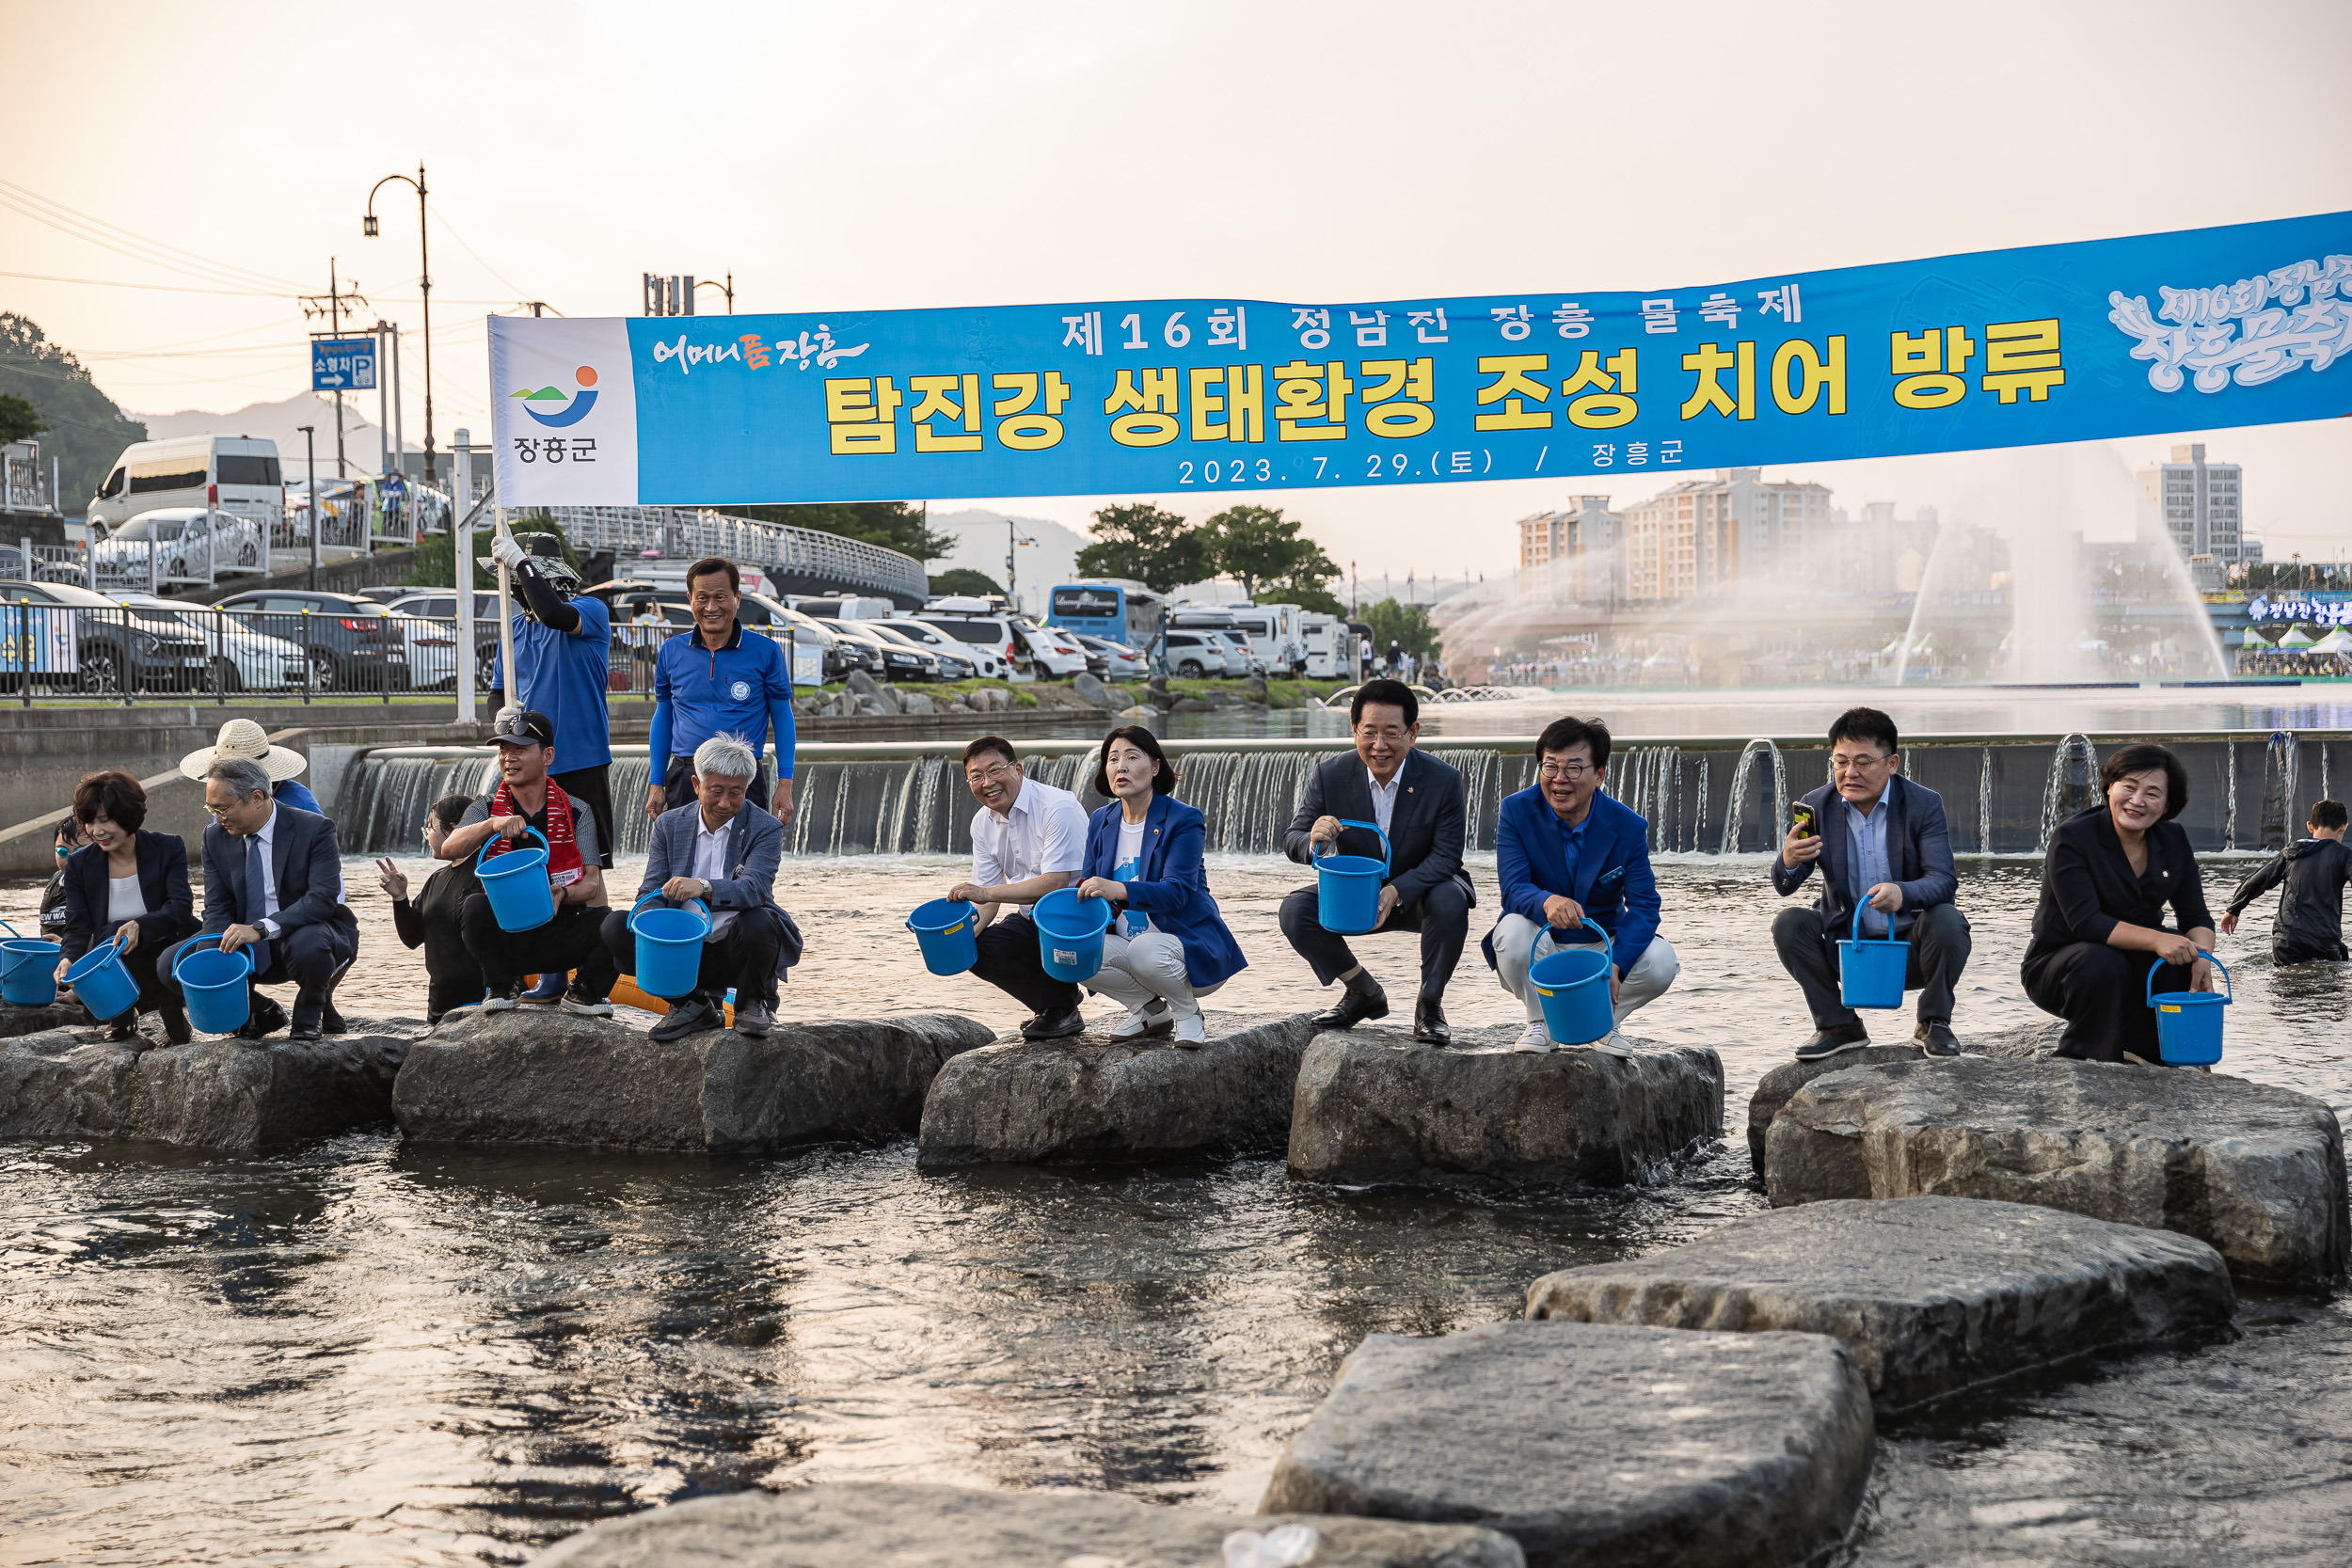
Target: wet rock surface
2255 1171
232 1095
865 1524
1374 1106
1931 1296
60 1014
1595 1444
1776 1088
540 1076
1094 1098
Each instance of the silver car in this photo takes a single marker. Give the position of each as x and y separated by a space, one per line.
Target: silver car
182 544
243 659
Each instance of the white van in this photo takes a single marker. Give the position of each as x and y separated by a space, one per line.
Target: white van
1320 635
236 474
1274 635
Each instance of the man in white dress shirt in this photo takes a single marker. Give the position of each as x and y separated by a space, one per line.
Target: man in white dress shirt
1027 839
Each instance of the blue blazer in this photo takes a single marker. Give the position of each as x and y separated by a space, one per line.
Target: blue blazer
1172 889
162 886
1614 881
1918 855
755 849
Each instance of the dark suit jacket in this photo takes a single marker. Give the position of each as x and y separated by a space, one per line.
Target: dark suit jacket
304 861
1425 830
1918 854
162 886
2088 888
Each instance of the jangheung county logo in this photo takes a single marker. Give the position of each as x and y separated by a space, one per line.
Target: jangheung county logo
561 408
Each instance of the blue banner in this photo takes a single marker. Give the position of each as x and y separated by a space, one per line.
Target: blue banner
2195 330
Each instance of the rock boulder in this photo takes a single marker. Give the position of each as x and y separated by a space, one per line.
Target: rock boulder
1931 1296
536 1076
1094 1098
1594 1444
1093 691
64 1013
1776 1086
1374 1106
2257 1172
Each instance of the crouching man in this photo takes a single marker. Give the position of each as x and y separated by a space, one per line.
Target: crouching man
723 851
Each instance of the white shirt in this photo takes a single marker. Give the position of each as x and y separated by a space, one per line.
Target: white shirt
124 901
268 926
1384 796
710 864
1044 831
1129 868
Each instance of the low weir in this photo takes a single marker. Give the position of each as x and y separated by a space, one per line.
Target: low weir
2002 795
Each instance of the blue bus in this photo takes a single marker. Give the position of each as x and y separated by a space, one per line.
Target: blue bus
1118 609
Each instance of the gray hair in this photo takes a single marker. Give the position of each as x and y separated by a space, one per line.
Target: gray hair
242 774
729 756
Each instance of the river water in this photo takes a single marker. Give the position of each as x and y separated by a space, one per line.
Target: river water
361 1353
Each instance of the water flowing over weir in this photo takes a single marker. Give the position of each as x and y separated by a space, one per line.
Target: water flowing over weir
2002 795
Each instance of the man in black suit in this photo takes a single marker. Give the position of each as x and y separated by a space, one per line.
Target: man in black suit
273 884
1418 803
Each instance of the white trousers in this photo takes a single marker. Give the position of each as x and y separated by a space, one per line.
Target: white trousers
1139 968
1520 942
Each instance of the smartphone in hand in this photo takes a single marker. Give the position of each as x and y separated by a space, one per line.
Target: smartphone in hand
1801 821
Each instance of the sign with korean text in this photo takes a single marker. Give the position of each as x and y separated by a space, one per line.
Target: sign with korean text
342 364
2195 330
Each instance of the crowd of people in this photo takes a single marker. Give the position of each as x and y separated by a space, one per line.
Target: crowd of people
1572 869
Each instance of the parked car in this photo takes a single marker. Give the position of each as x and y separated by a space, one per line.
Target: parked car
87 641
954 656
994 645
352 644
1120 662
901 660
1052 650
1197 655
1239 660
433 645
189 543
243 659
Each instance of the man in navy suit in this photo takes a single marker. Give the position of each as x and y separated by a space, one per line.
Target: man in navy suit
273 886
1566 853
1883 847
1419 804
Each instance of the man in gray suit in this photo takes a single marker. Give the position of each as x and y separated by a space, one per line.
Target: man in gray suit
723 851
272 886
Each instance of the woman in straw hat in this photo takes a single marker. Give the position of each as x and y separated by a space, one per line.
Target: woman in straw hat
244 738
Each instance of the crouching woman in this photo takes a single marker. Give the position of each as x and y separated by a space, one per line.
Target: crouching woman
1168 947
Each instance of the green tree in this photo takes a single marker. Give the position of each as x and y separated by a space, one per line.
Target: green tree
86 431
1406 626
19 419
1256 546
900 526
432 562
964 580
1157 548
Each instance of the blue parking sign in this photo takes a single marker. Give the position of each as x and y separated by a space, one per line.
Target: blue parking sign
342 364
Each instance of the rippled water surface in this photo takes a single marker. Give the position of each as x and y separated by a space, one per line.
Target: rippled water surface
360 1353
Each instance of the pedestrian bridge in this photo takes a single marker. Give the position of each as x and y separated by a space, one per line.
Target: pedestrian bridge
794 560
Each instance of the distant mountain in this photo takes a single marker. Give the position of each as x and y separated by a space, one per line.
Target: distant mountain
282 421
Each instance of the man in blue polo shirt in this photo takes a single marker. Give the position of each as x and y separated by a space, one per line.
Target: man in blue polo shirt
718 680
562 651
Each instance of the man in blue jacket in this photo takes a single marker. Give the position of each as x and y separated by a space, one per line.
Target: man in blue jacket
1883 848
719 679
1566 853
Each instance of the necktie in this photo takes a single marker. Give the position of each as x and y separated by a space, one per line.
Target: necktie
256 899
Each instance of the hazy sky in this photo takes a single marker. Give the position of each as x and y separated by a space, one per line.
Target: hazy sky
923 153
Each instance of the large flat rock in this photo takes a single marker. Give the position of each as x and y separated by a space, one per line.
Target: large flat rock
1932 1296
1592 1444
1778 1086
64 1013
1094 1098
1374 1106
226 1094
886 1525
2255 1171
540 1076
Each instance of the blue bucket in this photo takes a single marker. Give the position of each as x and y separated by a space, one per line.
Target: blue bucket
1347 887
213 983
669 947
28 970
2188 1023
1572 984
1870 972
1070 933
516 882
943 927
104 987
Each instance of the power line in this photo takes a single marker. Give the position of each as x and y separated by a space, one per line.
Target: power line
98 230
158 288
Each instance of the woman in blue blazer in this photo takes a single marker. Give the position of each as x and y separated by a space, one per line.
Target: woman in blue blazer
1169 946
129 883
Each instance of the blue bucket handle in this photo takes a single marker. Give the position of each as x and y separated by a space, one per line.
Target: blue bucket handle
13 931
114 941
969 912
1352 823
483 853
2227 995
1605 938
1858 937
198 945
638 908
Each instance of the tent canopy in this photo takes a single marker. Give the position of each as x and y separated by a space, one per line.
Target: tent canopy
2296 638
2336 642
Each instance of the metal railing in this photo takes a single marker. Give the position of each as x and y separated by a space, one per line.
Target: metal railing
637 534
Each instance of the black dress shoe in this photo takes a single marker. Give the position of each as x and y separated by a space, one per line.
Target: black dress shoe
266 1018
1059 1024
304 1033
123 1028
1429 1025
1352 1008
331 1022
685 1018
176 1028
1826 1043
1936 1039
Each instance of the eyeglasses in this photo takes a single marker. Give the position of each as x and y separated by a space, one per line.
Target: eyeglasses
990 774
1858 765
1551 771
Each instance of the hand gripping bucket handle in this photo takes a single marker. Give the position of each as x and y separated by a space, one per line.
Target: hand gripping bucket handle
104 987
28 969
1572 987
669 946
1070 934
2188 1023
520 897
1871 971
1347 887
218 1001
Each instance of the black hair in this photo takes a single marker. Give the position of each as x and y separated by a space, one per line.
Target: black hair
2327 814
2140 757
1562 735
1163 780
116 797
710 564
1393 693
448 809
1865 724
987 743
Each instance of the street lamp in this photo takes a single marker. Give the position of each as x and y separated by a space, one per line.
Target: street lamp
367 229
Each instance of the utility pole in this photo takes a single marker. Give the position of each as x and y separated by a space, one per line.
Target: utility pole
424 256
311 448
332 304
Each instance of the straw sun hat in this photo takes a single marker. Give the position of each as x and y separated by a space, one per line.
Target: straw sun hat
244 738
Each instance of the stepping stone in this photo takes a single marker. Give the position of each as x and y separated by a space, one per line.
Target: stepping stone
1595 1445
884 1525
1779 1085
537 1075
60 1014
1931 1296
1374 1106
232 1095
2256 1171
1094 1098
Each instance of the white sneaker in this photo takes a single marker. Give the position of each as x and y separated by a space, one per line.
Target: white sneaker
496 1005
1191 1030
1138 1022
1613 1044
1534 1038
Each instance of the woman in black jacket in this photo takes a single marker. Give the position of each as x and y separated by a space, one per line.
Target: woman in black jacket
453 979
130 884
2100 925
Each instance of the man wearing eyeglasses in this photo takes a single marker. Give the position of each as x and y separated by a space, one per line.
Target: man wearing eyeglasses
1027 839
1565 854
1883 848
